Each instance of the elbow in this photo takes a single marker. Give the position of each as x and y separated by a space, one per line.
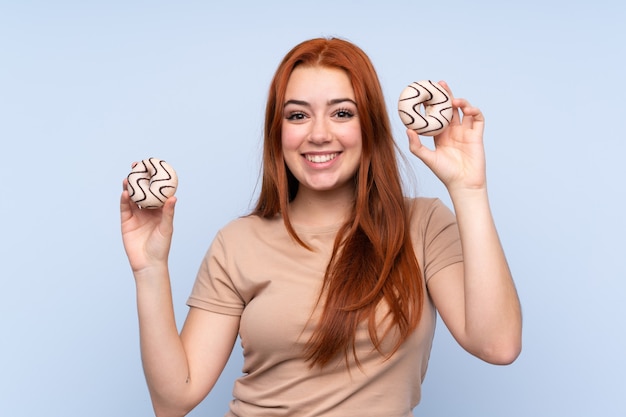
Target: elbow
170 410
171 401
501 346
504 357
503 353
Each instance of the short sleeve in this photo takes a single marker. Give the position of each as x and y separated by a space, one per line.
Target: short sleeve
214 289
438 229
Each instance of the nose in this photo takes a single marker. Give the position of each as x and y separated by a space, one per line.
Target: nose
320 131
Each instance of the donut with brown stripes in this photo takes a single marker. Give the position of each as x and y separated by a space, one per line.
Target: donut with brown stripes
437 107
151 182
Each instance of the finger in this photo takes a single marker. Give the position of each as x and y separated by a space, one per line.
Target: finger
471 115
472 111
446 87
418 149
456 116
125 206
463 106
166 226
477 118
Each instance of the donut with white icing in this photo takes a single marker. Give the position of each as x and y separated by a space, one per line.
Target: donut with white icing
151 182
437 107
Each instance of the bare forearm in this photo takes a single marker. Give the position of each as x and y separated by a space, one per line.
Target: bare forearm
162 352
492 310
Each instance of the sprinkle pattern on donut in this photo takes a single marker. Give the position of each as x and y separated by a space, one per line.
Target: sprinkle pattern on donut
437 107
151 182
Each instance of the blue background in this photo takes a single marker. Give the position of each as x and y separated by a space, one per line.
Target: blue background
87 87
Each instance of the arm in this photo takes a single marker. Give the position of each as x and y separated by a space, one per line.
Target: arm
180 369
477 298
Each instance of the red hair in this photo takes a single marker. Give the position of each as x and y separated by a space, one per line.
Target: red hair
373 260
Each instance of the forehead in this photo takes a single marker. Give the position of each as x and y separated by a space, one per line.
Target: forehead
318 80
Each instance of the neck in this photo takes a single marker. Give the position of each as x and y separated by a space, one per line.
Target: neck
321 208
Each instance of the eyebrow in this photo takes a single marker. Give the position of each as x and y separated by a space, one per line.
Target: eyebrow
330 102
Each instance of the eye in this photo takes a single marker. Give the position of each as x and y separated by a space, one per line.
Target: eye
295 115
344 114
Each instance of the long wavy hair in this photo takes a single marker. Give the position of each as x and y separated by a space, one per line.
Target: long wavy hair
372 262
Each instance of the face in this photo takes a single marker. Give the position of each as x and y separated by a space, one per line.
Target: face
321 132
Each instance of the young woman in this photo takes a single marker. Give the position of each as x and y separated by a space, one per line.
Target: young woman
334 280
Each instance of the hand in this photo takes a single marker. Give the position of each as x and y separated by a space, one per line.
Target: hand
146 233
458 159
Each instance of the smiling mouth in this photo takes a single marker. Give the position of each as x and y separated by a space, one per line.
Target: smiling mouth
318 159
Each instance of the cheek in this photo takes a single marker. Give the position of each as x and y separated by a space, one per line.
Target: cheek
352 138
289 139
290 145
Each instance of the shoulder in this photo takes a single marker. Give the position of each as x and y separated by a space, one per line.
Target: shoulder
424 210
250 224
248 232
435 234
421 202
240 240
431 222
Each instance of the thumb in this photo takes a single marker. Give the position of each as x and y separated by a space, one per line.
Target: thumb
418 149
167 217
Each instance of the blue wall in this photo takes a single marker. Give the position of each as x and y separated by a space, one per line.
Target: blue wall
88 87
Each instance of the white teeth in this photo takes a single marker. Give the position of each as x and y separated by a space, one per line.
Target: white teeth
318 159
